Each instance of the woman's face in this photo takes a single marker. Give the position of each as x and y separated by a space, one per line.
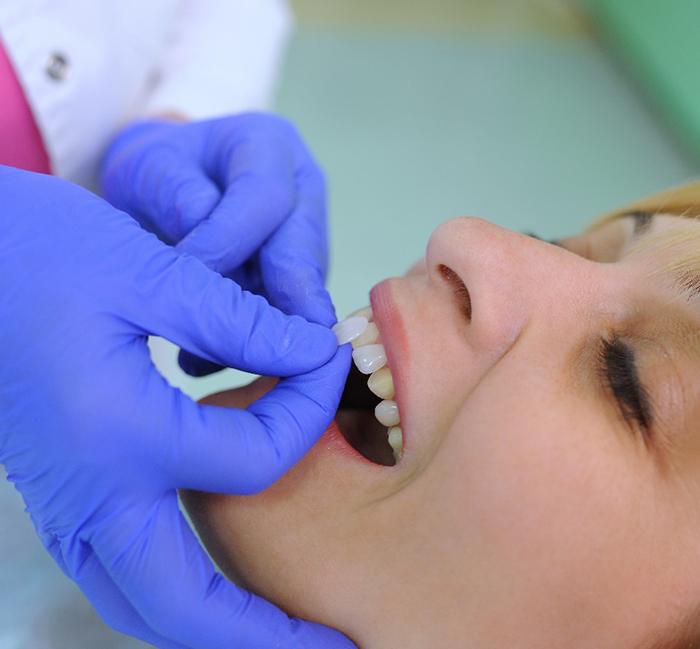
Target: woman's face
548 492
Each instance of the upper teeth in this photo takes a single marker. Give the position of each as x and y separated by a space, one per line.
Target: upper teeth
387 412
370 358
367 337
382 383
349 329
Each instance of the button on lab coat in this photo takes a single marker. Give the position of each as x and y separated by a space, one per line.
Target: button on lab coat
89 66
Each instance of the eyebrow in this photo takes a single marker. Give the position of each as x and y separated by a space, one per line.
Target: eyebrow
642 222
688 281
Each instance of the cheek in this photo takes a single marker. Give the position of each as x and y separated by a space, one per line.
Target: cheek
278 544
541 492
300 543
552 504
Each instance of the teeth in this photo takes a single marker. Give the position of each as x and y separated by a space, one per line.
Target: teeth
350 329
369 336
381 383
365 312
369 358
387 412
395 439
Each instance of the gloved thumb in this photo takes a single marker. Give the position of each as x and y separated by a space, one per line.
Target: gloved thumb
177 297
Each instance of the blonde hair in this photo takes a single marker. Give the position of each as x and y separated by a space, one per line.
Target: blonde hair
683 200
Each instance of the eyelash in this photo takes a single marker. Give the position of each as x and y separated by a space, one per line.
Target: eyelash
554 242
618 366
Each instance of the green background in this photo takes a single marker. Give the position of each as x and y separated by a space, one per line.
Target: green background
659 42
507 109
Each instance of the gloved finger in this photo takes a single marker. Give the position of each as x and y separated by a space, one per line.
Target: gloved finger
178 298
166 576
248 278
260 192
294 260
53 547
166 192
113 607
184 197
226 450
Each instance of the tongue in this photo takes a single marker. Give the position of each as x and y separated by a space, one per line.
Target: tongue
366 435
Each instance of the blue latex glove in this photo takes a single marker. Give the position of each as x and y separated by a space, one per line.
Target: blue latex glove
97 442
240 193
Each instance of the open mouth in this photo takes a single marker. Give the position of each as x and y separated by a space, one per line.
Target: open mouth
368 417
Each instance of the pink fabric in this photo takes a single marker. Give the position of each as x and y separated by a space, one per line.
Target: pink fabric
21 144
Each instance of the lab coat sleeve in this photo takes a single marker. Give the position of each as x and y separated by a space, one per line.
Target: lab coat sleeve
222 57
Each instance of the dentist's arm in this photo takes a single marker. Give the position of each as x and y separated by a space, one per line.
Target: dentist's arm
98 443
242 194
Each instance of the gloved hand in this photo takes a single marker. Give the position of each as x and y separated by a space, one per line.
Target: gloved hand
97 442
241 193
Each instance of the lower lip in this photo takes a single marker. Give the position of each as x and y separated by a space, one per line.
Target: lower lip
333 441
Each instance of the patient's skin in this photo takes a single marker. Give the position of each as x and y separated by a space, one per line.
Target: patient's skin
526 511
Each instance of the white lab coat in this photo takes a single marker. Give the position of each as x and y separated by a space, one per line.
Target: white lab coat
89 66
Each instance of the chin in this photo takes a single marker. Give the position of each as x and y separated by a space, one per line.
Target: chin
321 543
298 544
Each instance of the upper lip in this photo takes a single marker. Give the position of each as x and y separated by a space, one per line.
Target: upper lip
392 330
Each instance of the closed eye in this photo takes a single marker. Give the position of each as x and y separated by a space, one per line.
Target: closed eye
618 366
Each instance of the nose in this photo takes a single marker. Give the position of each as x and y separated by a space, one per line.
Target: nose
511 278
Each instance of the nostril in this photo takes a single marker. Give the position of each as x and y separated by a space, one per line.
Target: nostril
459 289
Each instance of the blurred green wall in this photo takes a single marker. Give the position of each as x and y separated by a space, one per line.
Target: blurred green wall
658 42
426 110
